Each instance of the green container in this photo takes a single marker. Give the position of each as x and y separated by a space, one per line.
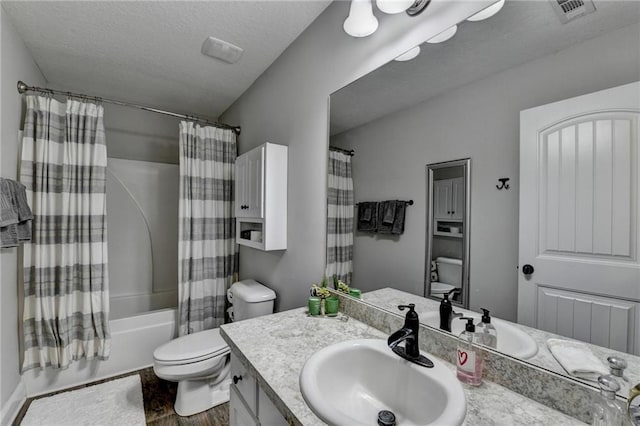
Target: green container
314 305
331 306
355 292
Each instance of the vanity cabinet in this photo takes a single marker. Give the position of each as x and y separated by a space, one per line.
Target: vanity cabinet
261 197
248 404
448 199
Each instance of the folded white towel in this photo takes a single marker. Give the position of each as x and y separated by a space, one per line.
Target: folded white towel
577 359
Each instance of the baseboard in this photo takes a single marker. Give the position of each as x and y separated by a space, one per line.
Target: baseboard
12 407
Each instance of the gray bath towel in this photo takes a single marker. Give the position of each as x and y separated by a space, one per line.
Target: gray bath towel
367 216
8 212
397 226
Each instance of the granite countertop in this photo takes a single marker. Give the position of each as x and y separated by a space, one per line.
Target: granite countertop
389 298
275 347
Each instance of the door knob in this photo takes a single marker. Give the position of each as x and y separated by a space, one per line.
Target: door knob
527 269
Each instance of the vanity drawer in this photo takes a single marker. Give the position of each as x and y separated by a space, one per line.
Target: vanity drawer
244 382
239 413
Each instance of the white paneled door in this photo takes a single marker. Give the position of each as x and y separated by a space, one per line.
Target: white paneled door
579 228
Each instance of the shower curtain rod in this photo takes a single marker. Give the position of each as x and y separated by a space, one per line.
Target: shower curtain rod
345 151
23 88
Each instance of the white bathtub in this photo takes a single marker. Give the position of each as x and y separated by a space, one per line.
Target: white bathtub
133 341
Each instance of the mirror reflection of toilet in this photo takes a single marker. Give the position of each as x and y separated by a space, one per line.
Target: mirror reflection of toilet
449 276
199 362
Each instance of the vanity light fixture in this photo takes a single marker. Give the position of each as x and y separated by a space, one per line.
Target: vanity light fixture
444 36
360 22
408 55
394 6
488 12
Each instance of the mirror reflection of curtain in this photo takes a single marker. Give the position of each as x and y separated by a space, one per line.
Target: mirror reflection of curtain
66 301
340 217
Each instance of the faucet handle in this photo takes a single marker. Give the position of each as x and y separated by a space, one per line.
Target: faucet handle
410 306
617 365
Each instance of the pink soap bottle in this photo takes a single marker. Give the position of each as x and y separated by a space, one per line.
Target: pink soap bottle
468 357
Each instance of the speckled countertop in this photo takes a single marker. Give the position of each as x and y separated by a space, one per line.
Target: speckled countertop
389 298
275 348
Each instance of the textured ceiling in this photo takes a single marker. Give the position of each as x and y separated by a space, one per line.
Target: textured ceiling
521 32
149 52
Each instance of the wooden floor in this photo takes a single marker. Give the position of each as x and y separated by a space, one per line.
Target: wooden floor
158 396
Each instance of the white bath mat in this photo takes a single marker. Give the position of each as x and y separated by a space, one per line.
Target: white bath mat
118 402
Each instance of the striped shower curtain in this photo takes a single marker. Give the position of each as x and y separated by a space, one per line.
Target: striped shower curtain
66 296
206 243
339 217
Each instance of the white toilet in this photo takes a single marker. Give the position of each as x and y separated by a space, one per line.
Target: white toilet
199 362
449 276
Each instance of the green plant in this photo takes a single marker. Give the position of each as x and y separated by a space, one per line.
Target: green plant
321 292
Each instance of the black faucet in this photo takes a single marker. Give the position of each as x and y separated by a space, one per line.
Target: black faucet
446 311
409 335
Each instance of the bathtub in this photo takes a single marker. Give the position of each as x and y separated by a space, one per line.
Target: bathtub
133 341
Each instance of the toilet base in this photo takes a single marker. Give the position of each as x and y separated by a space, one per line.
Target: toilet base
196 396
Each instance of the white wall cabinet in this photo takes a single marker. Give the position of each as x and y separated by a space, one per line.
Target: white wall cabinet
248 404
261 197
448 199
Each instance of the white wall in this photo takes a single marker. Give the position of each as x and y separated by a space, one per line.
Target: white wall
288 105
480 121
17 64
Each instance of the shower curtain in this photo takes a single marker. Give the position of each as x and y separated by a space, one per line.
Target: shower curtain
66 300
206 234
340 217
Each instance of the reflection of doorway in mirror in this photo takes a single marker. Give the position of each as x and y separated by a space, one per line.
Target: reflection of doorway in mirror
447 238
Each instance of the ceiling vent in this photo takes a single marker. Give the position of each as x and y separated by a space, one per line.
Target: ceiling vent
222 50
568 10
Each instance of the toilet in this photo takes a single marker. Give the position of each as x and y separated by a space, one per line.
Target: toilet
199 362
449 276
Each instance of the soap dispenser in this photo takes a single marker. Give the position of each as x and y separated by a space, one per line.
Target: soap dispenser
487 333
608 411
469 358
445 313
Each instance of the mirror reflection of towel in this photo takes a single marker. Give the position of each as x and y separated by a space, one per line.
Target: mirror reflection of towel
397 225
368 216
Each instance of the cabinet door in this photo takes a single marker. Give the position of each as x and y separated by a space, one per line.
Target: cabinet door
239 413
457 198
255 188
442 199
241 186
250 184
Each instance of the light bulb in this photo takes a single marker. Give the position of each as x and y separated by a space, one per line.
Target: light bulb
409 54
444 36
488 12
394 6
360 22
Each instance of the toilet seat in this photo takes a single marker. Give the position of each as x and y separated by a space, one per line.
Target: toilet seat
440 288
192 348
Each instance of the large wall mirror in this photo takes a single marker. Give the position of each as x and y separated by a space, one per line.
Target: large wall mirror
462 99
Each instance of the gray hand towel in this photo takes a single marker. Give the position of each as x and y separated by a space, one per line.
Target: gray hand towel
15 214
367 216
8 212
383 228
389 212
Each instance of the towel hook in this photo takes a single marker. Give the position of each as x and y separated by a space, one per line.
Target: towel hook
503 183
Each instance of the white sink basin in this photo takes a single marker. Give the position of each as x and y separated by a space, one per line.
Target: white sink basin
511 340
349 383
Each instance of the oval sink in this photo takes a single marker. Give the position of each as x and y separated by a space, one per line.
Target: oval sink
349 383
511 340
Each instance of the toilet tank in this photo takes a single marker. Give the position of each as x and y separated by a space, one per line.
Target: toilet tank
251 299
449 270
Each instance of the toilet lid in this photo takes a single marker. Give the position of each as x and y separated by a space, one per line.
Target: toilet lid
192 347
